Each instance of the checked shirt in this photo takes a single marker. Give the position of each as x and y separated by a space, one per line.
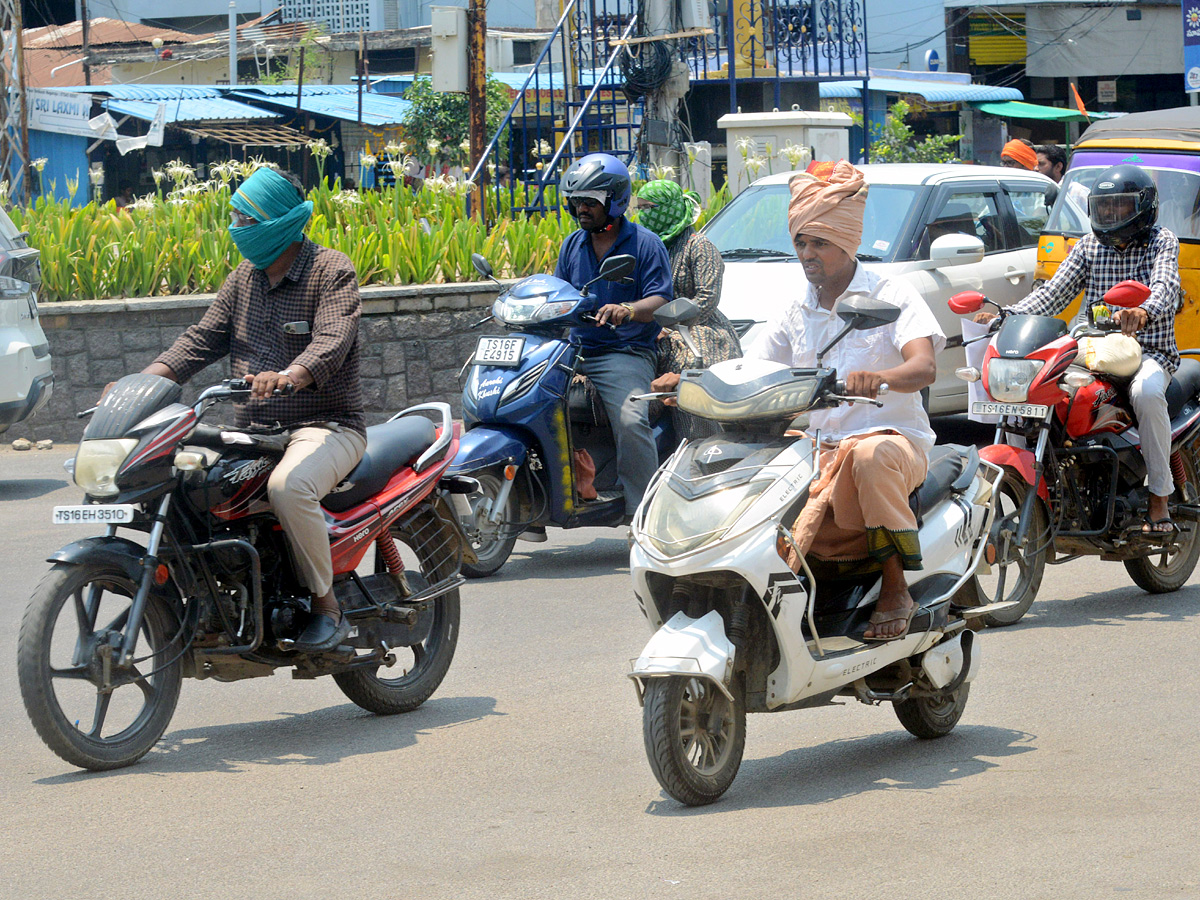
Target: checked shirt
310 318
1093 268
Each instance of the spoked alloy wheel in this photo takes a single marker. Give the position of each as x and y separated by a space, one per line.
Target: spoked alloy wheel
694 737
1022 569
418 670
1169 571
492 541
90 710
934 716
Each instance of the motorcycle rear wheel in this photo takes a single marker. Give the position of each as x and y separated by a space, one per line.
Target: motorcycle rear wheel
694 737
933 717
60 665
494 542
1024 567
419 669
1167 572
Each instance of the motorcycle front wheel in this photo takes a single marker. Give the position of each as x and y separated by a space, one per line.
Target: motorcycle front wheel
492 541
89 709
934 716
416 670
1022 567
1169 571
694 737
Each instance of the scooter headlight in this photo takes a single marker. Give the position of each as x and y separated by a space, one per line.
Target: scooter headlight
676 525
1009 379
97 462
531 309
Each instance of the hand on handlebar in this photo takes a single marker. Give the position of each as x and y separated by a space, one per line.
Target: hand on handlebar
1131 320
270 384
866 384
596 320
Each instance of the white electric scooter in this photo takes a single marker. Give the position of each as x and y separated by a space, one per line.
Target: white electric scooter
736 630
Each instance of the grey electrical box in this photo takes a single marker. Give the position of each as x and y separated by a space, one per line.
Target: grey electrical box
448 35
656 131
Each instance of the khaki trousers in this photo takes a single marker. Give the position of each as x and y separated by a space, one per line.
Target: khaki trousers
315 461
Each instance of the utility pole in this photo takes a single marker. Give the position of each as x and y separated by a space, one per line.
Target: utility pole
83 18
477 92
232 43
14 133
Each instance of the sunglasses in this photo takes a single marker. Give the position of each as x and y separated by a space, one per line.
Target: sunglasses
241 220
577 202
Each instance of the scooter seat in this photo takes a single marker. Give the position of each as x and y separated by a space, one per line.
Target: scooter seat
1184 386
949 464
390 446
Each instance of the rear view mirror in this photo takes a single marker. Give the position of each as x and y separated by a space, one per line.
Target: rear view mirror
861 312
966 302
1127 294
617 267
956 250
1051 195
682 311
482 266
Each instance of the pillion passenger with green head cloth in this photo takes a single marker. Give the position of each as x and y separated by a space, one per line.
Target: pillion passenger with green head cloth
287 317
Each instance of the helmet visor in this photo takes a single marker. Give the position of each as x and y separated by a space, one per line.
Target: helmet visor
1112 210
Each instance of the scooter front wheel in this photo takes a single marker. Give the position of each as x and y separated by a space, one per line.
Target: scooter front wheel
694 737
492 541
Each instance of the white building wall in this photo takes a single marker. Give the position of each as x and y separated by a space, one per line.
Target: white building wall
1107 43
900 31
136 10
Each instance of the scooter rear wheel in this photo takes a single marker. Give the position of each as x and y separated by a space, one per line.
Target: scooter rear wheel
935 716
492 542
694 737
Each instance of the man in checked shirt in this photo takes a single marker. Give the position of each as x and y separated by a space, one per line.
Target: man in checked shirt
288 318
1125 243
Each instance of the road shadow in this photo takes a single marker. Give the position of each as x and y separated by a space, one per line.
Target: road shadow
894 761
316 738
602 556
1119 606
29 488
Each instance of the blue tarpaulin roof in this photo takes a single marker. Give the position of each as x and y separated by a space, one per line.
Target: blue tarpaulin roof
933 91
338 101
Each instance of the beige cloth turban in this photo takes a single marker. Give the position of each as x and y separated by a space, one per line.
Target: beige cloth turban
831 210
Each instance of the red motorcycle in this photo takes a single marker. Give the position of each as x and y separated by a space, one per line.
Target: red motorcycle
1081 490
212 592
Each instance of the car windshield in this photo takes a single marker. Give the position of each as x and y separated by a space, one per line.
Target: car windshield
1178 201
754 224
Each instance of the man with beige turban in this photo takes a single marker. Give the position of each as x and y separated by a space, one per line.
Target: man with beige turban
858 518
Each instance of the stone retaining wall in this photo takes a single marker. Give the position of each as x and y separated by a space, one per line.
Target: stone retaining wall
415 340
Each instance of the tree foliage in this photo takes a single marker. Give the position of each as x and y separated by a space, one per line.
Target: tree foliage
894 141
437 124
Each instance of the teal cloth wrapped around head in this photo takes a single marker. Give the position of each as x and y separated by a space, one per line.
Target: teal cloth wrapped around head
281 213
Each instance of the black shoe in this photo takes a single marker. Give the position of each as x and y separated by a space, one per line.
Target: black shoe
322 634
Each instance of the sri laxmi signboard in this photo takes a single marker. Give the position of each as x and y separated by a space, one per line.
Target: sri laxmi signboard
1191 45
66 112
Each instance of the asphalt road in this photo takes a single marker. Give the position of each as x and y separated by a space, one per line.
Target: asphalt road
1072 774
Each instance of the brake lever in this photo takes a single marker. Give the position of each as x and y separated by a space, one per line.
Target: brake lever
655 395
588 317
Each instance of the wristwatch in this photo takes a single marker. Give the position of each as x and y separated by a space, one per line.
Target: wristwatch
632 311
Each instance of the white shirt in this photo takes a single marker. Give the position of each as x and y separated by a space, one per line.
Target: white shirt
804 327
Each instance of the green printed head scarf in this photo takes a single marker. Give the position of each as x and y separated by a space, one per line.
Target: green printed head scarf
281 213
665 209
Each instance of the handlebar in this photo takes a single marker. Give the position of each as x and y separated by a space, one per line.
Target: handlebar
839 393
589 317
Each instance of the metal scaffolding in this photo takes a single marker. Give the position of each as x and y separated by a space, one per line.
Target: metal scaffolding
14 131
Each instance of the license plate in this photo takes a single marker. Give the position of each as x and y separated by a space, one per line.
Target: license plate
499 351
108 514
1028 410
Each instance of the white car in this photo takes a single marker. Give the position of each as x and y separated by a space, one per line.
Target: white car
944 228
26 381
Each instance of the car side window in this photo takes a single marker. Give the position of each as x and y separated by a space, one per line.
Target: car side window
1032 213
975 213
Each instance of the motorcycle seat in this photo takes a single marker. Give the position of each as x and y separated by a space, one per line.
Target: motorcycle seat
1184 386
951 468
390 446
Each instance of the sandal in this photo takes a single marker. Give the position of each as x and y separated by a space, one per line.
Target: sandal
892 615
1159 526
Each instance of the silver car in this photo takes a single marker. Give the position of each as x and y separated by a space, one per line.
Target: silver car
26 381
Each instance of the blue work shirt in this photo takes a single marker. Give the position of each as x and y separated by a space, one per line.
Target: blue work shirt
577 264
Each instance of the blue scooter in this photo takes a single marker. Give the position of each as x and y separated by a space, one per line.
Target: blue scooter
526 417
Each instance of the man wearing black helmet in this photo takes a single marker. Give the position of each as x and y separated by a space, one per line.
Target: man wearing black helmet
1125 243
619 361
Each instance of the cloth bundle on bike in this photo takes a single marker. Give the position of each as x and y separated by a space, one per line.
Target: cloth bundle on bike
1112 354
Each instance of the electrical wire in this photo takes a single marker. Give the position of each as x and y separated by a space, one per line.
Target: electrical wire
646 69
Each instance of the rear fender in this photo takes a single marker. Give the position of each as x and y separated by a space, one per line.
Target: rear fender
685 646
486 446
1015 458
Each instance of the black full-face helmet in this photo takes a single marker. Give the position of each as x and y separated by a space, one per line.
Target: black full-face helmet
1123 205
600 177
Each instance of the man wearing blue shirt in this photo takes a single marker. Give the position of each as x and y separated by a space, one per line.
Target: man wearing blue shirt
620 362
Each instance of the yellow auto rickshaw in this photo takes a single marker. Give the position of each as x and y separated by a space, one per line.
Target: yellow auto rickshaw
1166 143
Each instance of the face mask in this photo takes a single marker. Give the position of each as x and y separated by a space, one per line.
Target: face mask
264 242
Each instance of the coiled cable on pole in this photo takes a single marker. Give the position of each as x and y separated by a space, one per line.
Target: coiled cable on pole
645 68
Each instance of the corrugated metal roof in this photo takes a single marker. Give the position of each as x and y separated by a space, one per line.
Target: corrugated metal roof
932 91
335 101
207 109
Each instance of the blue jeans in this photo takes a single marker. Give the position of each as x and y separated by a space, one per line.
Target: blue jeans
617 376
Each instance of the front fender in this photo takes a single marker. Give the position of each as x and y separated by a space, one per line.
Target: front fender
120 552
485 446
686 646
1016 458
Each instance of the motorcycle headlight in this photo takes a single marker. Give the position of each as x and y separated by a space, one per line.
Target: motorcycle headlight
676 525
97 462
1009 379
526 310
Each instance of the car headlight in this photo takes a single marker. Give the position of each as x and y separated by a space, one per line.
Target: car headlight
1009 379
526 310
676 525
97 462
